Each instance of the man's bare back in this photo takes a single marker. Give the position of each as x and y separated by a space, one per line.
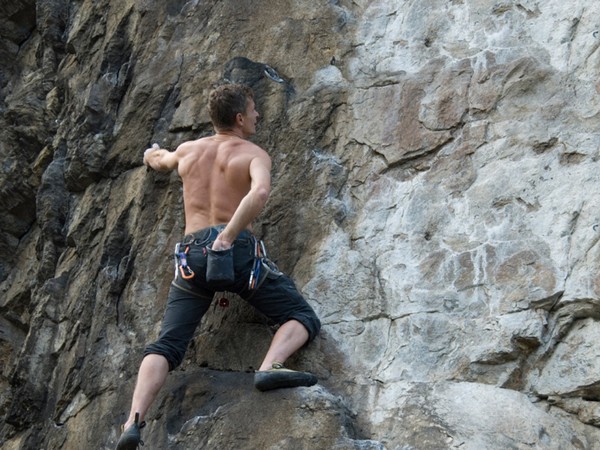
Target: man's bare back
216 177
226 179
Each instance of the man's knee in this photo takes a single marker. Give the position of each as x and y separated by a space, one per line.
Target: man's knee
311 323
174 356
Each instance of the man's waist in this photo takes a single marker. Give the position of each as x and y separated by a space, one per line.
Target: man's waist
211 233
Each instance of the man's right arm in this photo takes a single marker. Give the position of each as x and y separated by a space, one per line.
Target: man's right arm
251 205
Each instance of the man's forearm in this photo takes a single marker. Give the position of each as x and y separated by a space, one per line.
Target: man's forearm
158 159
248 210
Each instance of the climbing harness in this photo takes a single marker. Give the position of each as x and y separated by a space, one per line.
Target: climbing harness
181 262
262 266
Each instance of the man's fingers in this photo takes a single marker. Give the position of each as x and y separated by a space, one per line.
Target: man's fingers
220 245
154 147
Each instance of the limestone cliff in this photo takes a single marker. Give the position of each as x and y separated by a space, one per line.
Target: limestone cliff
436 199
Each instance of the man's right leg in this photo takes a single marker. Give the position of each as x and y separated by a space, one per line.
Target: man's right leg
290 337
151 377
279 300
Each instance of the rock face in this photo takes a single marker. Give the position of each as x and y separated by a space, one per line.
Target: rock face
436 198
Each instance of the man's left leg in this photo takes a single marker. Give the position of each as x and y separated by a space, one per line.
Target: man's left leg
183 314
151 377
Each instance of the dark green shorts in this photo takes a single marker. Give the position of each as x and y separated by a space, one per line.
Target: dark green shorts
189 299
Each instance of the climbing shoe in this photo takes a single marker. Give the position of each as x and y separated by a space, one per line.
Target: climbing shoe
279 377
131 438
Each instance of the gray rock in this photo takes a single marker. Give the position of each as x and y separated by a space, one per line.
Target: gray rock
435 197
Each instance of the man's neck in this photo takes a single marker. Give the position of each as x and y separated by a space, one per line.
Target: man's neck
230 134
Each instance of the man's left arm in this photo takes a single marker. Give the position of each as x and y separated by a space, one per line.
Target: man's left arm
160 159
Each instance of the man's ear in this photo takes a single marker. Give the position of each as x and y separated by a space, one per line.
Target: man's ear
239 119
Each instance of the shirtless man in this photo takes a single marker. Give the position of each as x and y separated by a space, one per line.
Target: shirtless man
226 183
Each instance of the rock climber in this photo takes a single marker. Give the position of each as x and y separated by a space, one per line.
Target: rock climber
226 183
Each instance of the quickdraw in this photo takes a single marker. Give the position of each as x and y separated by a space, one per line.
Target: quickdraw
261 264
181 262
255 273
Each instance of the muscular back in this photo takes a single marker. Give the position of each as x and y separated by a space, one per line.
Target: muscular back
216 175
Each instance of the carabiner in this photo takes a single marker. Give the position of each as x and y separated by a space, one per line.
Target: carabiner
186 276
186 272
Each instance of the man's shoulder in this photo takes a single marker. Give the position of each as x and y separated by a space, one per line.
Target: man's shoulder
239 147
184 148
257 148
193 144
248 148
194 148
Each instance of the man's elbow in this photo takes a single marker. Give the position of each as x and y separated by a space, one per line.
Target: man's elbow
262 195
162 168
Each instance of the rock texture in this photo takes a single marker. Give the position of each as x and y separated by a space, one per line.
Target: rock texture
436 198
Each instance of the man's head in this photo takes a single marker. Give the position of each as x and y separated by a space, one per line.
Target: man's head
226 102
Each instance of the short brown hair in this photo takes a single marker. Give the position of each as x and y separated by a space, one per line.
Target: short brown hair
225 102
